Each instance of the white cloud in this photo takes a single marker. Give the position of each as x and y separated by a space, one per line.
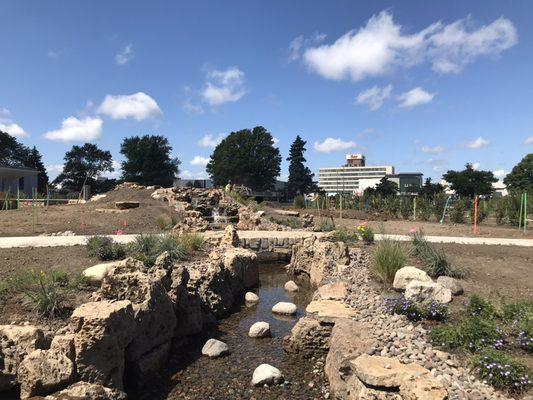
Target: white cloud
478 143
432 149
192 108
374 97
77 130
499 173
139 106
275 140
210 141
476 165
186 174
224 86
415 97
53 170
199 161
9 126
296 45
437 164
125 55
330 145
116 172
382 46
529 140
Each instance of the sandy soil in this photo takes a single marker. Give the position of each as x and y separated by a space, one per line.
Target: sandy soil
89 219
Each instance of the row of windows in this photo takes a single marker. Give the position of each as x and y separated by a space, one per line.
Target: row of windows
345 176
353 169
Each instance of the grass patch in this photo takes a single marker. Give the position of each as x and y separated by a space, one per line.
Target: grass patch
164 224
342 234
294 223
191 242
387 258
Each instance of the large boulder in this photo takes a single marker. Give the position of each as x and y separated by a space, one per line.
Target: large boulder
427 292
187 304
266 374
407 274
308 338
96 274
332 291
242 264
43 372
16 342
87 391
230 237
291 286
153 310
384 371
251 298
320 260
102 330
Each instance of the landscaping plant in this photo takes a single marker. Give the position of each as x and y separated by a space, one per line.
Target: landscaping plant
458 211
191 241
423 209
502 371
366 233
434 311
387 258
341 234
105 249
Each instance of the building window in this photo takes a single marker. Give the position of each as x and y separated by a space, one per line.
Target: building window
21 183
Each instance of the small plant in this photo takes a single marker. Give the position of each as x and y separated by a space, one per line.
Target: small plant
146 249
439 202
327 225
416 312
163 224
294 223
502 371
406 207
173 245
458 211
472 333
299 201
105 249
388 257
341 234
423 209
191 241
366 233
479 307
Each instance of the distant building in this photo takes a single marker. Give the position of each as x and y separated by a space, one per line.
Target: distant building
22 179
197 183
355 176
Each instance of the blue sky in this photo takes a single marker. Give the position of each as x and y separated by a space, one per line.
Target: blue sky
424 86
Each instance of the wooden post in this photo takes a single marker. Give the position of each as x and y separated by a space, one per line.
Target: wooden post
414 208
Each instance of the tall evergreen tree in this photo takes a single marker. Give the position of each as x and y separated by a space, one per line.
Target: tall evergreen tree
34 160
12 153
300 176
148 160
521 177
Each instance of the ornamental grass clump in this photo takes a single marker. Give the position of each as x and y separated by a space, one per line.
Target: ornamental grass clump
191 242
147 248
387 258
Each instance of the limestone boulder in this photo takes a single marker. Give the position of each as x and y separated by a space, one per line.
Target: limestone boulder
43 372
251 298
384 372
266 374
242 264
332 291
87 391
423 388
102 330
452 284
358 390
187 304
329 310
259 330
145 369
230 237
125 205
407 274
16 342
427 292
308 338
214 348
96 274
284 308
291 286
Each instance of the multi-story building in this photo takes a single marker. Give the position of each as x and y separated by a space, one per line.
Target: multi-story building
355 176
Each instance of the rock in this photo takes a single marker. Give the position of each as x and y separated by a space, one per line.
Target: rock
251 297
329 310
102 330
358 390
284 308
187 304
423 388
332 291
44 371
384 371
242 264
230 237
87 391
96 274
259 330
308 338
287 213
407 274
452 284
426 292
16 342
291 286
125 205
266 374
215 348
149 365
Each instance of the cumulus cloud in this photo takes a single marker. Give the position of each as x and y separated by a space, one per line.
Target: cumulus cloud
199 161
477 143
125 55
9 126
499 173
529 140
116 173
53 170
415 97
77 130
374 97
298 43
210 141
432 149
224 86
330 145
382 46
138 106
186 174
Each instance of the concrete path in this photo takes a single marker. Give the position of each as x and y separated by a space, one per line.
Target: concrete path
51 241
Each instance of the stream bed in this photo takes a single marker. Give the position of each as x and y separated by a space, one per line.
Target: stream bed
189 375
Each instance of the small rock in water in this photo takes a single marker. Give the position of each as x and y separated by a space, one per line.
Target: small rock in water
259 330
284 308
215 348
266 374
251 297
291 286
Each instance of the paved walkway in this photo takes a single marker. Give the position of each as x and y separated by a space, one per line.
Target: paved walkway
51 241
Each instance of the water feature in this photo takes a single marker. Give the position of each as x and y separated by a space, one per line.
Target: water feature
191 376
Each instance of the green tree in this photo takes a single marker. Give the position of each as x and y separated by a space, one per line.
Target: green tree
430 189
12 153
84 164
246 157
34 160
521 177
148 160
470 182
386 188
300 176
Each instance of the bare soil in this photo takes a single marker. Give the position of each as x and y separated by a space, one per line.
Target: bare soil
89 218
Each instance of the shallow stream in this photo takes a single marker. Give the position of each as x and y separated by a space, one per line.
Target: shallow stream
191 376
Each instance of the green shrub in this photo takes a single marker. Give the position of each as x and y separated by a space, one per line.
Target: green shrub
299 201
439 202
479 307
513 312
406 207
500 210
482 211
341 234
94 243
173 245
458 211
423 209
291 222
502 371
105 249
446 336
327 225
191 241
146 248
472 333
387 258
391 205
